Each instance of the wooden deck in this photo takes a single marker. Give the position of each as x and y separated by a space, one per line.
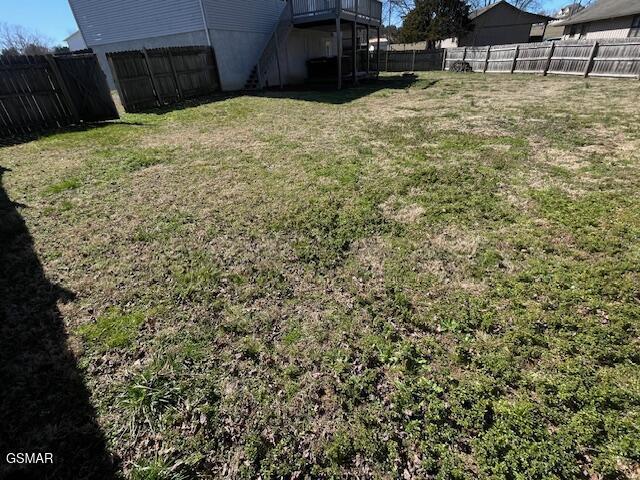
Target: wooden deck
316 12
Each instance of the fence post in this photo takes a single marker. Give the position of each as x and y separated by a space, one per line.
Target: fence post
151 75
549 57
386 63
592 55
444 59
515 58
63 88
413 61
464 54
486 59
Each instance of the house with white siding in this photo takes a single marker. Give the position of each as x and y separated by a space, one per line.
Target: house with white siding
75 42
257 43
606 19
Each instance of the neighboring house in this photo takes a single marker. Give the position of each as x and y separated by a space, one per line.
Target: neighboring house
546 31
373 44
554 29
403 47
243 34
76 42
604 19
499 23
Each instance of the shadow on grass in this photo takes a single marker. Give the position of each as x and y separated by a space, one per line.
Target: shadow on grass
323 92
44 403
327 92
83 127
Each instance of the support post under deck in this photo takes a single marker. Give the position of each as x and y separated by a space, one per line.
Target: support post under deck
339 41
368 55
378 52
339 50
354 47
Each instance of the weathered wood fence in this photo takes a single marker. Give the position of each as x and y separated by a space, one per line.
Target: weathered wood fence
163 76
411 60
606 58
51 91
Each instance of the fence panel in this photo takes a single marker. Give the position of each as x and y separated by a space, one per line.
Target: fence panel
133 80
570 58
163 76
532 58
428 60
196 70
399 61
45 91
410 60
501 59
610 57
477 58
87 87
30 97
617 59
453 55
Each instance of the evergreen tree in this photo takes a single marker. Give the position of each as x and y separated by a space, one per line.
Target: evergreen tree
433 20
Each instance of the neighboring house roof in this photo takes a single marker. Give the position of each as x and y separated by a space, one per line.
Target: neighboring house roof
533 17
604 10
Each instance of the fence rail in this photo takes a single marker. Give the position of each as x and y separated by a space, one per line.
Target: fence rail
611 58
51 91
163 76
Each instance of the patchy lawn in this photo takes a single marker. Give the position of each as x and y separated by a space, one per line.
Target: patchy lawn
399 281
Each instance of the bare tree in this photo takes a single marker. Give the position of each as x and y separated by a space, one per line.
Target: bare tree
15 39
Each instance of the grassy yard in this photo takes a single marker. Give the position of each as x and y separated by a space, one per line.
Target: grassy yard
401 281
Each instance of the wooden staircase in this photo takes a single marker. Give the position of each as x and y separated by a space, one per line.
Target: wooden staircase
258 78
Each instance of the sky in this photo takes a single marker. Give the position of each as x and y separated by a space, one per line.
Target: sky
54 19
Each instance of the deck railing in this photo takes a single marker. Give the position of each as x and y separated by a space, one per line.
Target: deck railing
366 9
313 7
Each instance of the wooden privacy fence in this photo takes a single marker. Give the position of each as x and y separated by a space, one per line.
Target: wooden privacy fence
51 91
411 60
163 76
606 58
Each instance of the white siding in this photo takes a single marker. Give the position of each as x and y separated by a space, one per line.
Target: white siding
76 42
602 29
110 21
240 30
258 16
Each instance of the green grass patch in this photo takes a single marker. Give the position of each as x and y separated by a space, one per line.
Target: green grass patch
64 185
114 329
